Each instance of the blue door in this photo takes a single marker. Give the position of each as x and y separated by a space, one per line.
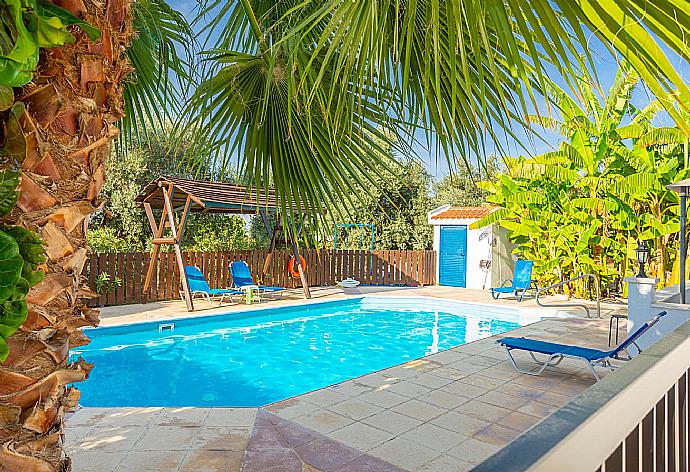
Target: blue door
453 256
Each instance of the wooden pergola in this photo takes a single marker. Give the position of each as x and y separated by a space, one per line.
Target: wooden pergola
184 196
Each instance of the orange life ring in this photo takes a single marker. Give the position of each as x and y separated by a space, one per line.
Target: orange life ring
292 269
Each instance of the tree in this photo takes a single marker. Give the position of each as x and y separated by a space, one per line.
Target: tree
460 188
61 122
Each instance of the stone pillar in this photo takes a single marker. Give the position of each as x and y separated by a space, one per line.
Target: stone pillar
641 296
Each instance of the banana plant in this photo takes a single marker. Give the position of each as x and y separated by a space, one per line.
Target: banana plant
583 207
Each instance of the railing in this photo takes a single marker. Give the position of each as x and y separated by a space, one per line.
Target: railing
636 419
581 305
323 268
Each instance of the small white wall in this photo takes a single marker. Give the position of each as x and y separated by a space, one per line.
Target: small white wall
476 251
645 302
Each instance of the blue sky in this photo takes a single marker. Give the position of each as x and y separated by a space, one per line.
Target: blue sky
606 67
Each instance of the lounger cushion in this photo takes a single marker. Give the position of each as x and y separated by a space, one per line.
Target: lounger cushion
553 348
504 289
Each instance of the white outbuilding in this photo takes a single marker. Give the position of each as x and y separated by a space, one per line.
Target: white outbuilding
470 258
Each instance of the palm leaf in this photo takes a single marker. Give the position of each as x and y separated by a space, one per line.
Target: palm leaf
150 94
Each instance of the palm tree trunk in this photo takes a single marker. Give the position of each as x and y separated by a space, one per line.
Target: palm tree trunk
68 125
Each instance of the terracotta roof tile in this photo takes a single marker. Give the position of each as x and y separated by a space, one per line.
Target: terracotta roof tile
464 212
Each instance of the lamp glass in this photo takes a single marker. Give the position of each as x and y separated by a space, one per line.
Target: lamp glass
642 253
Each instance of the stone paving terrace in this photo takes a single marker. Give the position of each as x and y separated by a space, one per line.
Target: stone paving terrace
443 412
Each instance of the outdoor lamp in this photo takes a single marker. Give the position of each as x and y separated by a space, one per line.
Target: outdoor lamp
642 253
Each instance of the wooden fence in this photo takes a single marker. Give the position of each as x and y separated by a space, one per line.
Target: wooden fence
324 267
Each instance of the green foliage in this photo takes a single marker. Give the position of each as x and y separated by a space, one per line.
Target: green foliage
460 188
21 251
218 233
104 239
105 284
26 26
582 208
397 204
161 48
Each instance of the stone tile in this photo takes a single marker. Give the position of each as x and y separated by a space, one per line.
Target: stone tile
421 365
539 409
273 460
497 435
482 381
434 437
87 416
392 421
447 357
266 437
121 438
117 417
554 399
324 421
355 409
295 434
501 399
292 408
404 453
377 380
223 439
402 372
409 389
546 381
483 411
181 416
153 461
447 464
419 410
324 397
521 391
497 373
230 417
167 438
326 454
465 367
212 461
361 436
351 388
572 388
481 360
519 421
463 424
473 451
96 461
443 399
430 380
75 434
366 463
464 389
449 373
383 398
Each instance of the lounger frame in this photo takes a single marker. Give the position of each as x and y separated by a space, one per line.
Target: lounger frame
558 358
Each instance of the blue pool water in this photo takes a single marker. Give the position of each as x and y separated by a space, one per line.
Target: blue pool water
254 358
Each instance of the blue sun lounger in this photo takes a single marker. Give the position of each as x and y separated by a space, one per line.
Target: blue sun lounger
242 277
520 284
557 352
199 286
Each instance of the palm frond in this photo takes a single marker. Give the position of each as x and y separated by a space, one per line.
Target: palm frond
157 87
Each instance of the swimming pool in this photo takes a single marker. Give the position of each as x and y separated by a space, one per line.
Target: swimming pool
257 357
